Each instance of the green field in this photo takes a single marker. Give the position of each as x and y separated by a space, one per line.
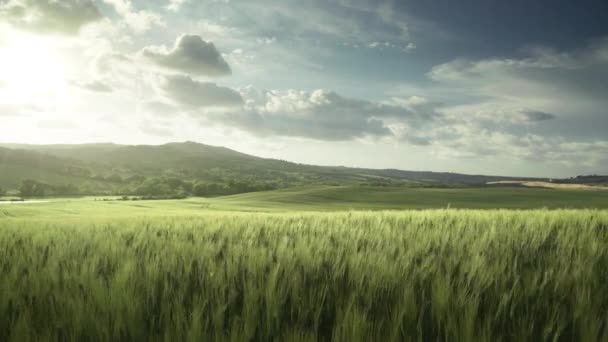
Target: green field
320 198
378 198
297 265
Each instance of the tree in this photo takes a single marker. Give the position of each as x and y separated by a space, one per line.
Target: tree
85 189
135 179
174 183
115 178
2 192
200 189
153 187
187 186
32 188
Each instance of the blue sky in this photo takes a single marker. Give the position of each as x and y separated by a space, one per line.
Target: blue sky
495 87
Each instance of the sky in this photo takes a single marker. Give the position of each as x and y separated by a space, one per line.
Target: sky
474 86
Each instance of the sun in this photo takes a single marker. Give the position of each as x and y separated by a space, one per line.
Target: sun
32 70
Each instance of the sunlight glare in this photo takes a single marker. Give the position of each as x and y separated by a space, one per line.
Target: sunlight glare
32 70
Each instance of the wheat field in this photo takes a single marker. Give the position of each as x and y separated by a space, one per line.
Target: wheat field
447 275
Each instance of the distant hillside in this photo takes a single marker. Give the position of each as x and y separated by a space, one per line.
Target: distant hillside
17 165
590 179
112 168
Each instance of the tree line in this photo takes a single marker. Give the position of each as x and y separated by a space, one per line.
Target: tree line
147 188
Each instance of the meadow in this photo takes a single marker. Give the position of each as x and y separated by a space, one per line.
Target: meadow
317 199
206 270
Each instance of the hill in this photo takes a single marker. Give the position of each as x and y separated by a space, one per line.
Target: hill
17 165
112 168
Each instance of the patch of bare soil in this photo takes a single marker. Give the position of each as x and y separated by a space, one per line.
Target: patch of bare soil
549 185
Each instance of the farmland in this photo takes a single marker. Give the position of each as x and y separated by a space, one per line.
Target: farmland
269 171
205 269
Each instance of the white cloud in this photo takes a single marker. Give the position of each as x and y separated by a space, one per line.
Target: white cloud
11 109
156 129
386 45
158 108
175 5
193 94
356 22
49 16
94 86
545 107
266 40
538 59
409 47
57 124
495 113
491 144
566 89
117 71
191 55
213 29
138 21
319 114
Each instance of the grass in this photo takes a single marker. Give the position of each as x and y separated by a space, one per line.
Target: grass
201 270
319 198
330 198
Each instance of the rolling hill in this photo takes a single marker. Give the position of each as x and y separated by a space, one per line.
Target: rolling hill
109 167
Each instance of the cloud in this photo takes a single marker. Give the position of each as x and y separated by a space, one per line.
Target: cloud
112 62
554 93
545 106
361 22
57 124
319 114
538 116
191 55
538 58
18 109
492 113
138 21
490 144
118 71
94 86
50 16
175 5
10 110
155 129
187 92
216 30
158 108
409 47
